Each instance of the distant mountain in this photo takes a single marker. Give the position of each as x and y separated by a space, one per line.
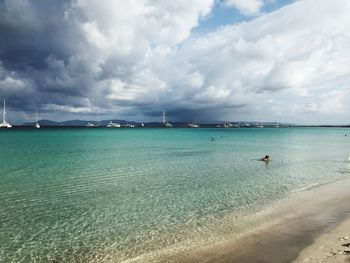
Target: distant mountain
83 123
74 123
43 123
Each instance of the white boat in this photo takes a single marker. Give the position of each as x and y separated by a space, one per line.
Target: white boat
192 125
142 124
92 125
113 125
37 126
4 123
165 123
130 125
225 125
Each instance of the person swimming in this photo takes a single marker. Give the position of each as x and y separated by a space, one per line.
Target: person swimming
265 159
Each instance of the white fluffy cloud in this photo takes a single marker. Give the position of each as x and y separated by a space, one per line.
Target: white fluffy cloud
129 57
11 83
120 40
246 7
290 56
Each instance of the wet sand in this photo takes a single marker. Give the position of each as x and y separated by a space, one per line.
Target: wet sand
330 247
297 226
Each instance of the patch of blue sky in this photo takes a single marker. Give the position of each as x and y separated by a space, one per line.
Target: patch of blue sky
223 15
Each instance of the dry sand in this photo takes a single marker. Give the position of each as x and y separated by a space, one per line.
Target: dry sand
305 229
333 246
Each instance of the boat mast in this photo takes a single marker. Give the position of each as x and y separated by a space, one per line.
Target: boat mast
36 113
4 113
164 119
98 116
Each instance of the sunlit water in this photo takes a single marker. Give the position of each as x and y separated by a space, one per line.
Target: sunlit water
111 194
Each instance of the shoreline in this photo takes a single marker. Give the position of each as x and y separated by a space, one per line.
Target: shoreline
332 246
288 234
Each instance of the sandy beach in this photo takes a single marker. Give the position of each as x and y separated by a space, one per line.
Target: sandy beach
312 227
333 246
160 131
186 199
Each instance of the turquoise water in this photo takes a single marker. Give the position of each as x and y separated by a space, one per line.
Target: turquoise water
94 195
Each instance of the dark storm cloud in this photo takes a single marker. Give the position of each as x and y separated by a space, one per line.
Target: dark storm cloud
35 45
75 55
138 58
31 33
49 57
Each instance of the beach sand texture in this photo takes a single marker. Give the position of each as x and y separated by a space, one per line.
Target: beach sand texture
330 247
311 227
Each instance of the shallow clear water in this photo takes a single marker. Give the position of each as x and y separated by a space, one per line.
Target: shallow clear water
99 194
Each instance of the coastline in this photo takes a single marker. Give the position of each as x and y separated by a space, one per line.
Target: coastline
291 232
333 246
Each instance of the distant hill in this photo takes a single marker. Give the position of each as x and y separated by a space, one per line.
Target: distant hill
74 123
83 123
43 123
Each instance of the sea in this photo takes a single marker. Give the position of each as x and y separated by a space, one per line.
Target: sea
114 195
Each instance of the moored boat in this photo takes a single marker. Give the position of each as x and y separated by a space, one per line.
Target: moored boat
4 123
111 124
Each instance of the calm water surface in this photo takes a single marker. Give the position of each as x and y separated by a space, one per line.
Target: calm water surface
89 195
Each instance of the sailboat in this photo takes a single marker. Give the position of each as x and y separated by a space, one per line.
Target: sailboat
130 125
92 125
165 123
5 124
111 124
36 118
260 125
192 125
225 125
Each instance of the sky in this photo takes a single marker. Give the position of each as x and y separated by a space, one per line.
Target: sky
203 60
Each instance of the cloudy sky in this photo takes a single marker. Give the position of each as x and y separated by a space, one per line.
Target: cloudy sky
269 60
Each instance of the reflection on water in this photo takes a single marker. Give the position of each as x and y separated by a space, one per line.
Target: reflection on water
85 194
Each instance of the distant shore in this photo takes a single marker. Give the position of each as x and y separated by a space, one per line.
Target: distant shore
27 126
